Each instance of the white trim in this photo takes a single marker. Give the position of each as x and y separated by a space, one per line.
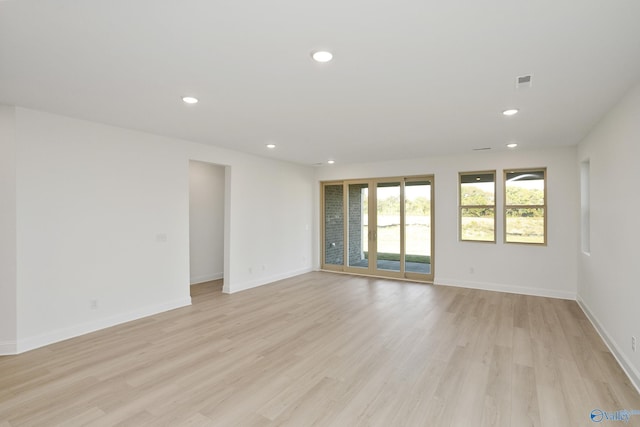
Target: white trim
497 287
7 348
31 343
233 288
614 348
206 278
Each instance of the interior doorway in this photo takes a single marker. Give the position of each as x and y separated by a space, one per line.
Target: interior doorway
381 227
206 221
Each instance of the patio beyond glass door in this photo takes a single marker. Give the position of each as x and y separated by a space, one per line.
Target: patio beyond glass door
385 224
417 227
388 231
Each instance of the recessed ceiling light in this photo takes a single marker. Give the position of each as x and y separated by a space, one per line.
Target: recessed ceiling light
322 56
512 145
190 100
331 162
510 112
271 146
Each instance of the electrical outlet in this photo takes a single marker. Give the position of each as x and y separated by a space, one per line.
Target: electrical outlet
93 304
633 343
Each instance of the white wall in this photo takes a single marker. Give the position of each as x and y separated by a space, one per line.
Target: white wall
536 270
103 214
608 278
8 325
94 203
206 221
269 223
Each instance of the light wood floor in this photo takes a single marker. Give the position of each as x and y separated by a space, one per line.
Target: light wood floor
329 350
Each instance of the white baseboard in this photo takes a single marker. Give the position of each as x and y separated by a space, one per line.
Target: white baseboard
8 348
614 348
206 278
238 287
521 290
58 335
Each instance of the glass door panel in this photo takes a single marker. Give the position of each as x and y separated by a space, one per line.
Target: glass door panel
333 206
417 199
388 226
358 225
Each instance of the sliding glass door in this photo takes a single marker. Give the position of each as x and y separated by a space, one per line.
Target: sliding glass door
380 227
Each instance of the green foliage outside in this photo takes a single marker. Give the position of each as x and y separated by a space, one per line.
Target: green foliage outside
515 195
524 196
473 195
420 206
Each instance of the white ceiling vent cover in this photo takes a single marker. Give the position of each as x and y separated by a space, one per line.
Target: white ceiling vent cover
524 81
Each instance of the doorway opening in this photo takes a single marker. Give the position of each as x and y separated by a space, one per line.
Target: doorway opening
207 188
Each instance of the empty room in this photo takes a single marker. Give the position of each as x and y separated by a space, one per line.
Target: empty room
344 213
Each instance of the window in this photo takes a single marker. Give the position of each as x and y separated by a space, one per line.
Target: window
525 210
478 206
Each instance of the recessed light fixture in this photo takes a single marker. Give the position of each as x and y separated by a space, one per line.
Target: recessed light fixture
271 146
512 145
321 56
331 162
510 112
189 100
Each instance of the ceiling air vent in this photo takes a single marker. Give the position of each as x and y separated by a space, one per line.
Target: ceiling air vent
523 81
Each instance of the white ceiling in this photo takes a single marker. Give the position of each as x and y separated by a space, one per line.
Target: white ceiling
409 77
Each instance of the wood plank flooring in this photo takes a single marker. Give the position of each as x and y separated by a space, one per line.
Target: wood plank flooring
325 349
